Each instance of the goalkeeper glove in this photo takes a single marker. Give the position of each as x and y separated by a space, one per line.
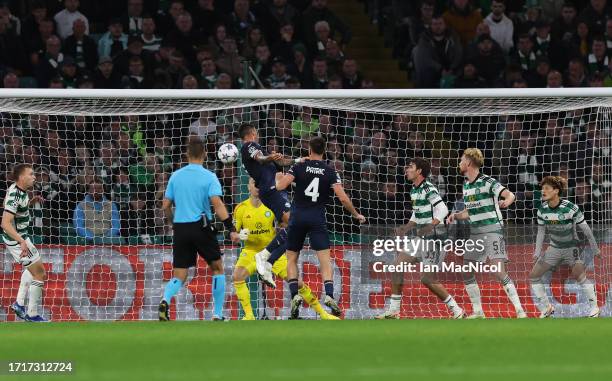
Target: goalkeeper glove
243 234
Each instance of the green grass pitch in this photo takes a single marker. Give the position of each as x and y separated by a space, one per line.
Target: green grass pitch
492 350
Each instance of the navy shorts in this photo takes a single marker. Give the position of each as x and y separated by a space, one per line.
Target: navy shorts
307 222
277 202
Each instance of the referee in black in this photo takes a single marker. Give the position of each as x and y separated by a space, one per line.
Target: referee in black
193 189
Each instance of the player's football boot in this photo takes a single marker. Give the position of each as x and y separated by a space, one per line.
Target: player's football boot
264 270
36 319
19 310
459 314
548 312
594 312
521 314
220 318
296 303
328 316
248 317
388 315
477 315
333 305
164 311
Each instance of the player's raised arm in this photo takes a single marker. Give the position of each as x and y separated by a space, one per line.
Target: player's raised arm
264 159
347 203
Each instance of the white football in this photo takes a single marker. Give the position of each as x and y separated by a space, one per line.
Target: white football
228 153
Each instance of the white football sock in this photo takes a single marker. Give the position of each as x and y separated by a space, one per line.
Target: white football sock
265 253
36 288
396 302
24 285
512 294
451 304
589 291
540 293
474 293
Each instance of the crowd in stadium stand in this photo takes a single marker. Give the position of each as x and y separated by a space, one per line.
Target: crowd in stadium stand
118 167
300 43
190 44
500 43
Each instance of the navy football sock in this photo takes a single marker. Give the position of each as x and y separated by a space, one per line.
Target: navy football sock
293 287
279 242
329 288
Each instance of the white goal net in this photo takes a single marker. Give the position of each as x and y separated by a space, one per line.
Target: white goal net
119 148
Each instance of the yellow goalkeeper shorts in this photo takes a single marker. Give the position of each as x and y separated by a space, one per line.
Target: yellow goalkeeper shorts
246 259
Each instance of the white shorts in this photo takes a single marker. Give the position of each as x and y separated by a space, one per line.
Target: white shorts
15 251
555 256
493 247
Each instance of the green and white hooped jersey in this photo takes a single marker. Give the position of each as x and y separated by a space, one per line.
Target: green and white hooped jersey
560 223
424 197
17 202
481 199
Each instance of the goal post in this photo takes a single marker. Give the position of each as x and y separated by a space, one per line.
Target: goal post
103 157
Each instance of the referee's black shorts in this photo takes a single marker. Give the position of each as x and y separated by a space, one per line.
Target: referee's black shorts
192 239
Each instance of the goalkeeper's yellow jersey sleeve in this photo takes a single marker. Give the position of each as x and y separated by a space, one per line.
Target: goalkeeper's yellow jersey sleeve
259 221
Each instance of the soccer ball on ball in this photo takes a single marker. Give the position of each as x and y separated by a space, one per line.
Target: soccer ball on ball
228 153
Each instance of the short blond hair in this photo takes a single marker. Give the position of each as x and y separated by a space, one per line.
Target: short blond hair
475 155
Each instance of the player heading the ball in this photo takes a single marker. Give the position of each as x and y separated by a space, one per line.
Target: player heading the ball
255 223
314 181
559 218
263 168
483 197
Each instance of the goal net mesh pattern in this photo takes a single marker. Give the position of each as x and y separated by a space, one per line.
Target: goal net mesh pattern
111 260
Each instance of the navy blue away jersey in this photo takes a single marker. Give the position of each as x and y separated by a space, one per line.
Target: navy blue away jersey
263 174
313 183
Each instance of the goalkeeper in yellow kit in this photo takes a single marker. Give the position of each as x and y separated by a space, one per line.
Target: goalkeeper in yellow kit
255 222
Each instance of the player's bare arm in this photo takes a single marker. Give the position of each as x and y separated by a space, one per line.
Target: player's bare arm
283 182
9 228
404 229
347 203
167 208
425 230
508 198
459 216
221 212
263 159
